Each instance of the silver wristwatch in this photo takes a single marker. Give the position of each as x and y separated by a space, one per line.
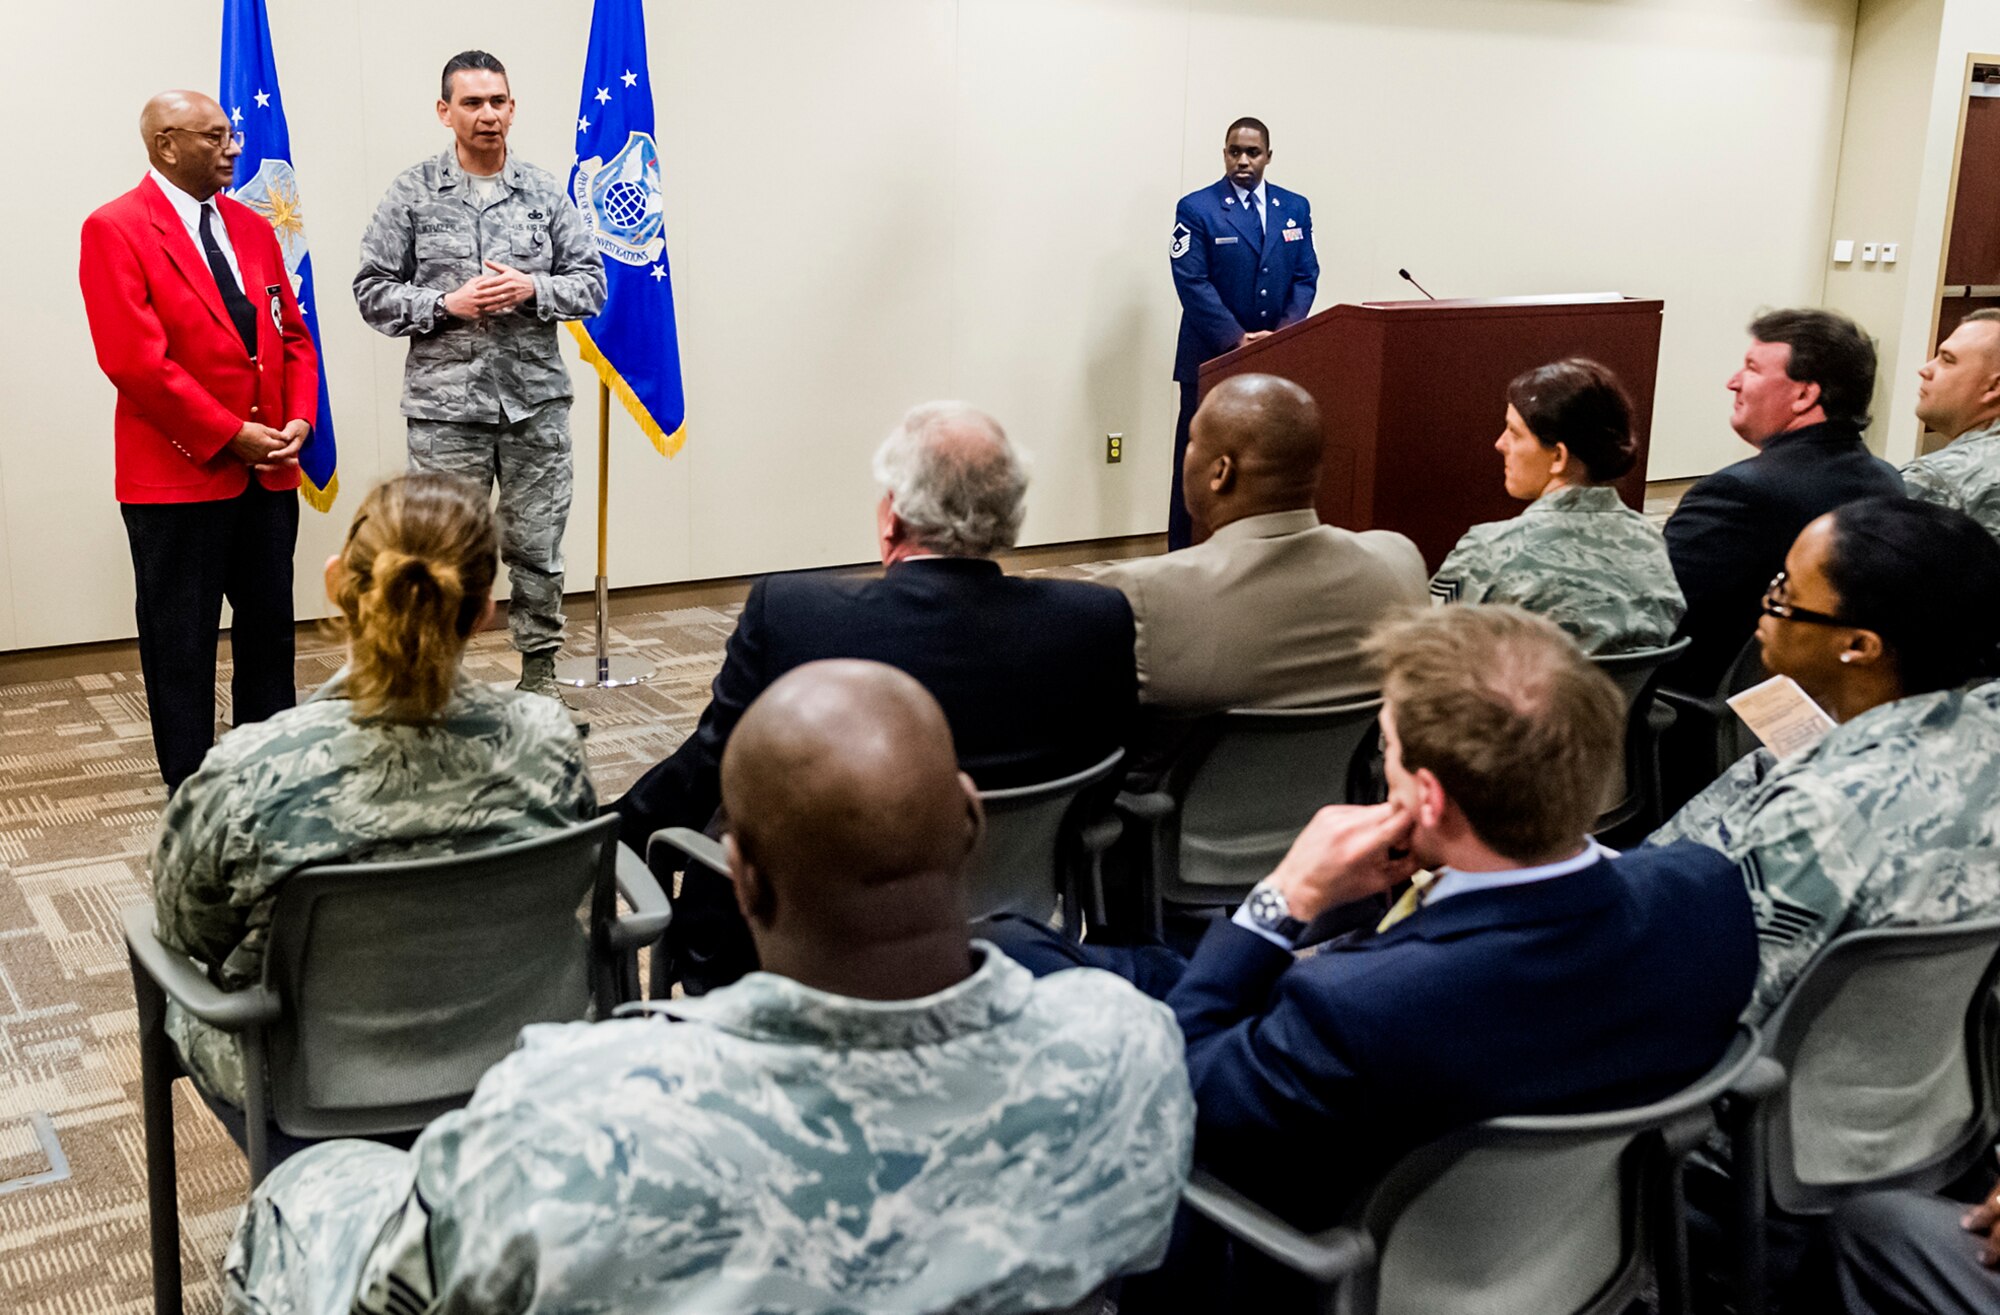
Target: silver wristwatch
1267 908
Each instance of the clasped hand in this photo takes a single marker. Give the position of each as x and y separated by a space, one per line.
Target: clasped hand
265 449
1347 852
490 294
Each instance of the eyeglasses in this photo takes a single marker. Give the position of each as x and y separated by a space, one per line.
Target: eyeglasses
215 137
1773 604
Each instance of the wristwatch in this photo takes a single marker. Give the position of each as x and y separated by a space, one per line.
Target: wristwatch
1267 908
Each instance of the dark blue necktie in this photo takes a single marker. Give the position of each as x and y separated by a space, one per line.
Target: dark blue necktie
233 300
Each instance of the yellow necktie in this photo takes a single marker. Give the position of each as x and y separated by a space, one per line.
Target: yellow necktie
1413 899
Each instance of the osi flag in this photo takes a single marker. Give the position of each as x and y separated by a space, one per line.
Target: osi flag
265 183
616 185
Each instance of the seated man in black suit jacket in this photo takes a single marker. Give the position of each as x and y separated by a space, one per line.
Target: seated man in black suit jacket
1036 677
1802 402
1535 973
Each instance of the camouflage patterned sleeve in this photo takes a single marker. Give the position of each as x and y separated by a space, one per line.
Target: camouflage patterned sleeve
1715 816
574 287
390 300
1465 575
202 843
1923 482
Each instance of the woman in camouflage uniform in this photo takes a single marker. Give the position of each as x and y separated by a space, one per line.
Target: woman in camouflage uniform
1577 555
400 755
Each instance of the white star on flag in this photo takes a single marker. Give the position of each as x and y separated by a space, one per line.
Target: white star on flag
263 100
631 78
603 94
658 273
583 125
236 114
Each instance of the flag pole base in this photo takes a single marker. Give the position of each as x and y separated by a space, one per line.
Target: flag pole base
602 671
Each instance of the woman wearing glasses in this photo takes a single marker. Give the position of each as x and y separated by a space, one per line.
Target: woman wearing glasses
1885 615
1577 554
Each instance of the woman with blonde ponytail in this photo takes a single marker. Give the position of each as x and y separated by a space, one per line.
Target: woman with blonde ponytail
400 755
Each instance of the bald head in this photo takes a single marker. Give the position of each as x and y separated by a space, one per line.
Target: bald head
846 805
189 140
1254 448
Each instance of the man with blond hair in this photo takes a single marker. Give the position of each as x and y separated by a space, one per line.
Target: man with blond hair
1532 971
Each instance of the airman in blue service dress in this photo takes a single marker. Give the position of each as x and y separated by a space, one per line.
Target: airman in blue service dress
1243 263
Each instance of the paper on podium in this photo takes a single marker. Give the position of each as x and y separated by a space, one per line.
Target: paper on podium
1782 715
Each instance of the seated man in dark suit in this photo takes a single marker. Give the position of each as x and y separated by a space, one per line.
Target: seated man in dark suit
1802 402
1537 973
1035 676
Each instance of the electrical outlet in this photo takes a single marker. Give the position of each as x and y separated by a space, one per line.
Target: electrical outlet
1114 449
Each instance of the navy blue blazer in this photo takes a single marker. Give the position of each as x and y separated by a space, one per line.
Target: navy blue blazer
1235 278
1609 987
1036 677
1731 532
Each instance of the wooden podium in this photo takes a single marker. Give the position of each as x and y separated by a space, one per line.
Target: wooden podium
1412 394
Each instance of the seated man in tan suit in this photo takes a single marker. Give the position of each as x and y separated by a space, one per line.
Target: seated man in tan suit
1272 610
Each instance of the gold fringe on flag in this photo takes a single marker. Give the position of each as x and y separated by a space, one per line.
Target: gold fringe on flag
667 444
319 499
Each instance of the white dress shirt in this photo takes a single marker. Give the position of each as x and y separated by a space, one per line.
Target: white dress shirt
190 210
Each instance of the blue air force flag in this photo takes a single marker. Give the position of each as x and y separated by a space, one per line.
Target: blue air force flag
616 185
265 183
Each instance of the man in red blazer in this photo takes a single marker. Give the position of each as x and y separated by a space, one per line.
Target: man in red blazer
193 316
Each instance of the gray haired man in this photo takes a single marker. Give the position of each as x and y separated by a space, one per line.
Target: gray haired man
473 256
1035 677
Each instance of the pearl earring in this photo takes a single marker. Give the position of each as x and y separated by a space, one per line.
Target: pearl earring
1847 657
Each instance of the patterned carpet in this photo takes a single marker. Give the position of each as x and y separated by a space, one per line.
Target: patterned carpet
80 798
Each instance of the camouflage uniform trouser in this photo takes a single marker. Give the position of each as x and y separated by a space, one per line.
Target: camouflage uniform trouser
530 460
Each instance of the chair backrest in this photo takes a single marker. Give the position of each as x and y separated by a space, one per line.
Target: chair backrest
1542 1215
1246 785
403 982
1023 857
1637 675
1887 1042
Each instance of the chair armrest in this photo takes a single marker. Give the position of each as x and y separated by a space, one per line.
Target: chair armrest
1323 1257
1660 717
1148 807
694 844
187 986
1100 834
651 910
1759 1082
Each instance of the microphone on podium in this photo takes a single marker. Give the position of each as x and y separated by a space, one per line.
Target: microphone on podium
1405 275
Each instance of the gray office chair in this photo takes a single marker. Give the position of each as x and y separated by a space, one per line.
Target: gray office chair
1042 842
1877 1072
1238 793
1637 799
1544 1215
1710 715
389 989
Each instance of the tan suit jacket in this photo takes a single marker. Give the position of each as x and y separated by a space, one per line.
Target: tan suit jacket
1269 613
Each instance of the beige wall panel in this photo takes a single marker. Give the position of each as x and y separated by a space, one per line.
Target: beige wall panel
816 306
1069 163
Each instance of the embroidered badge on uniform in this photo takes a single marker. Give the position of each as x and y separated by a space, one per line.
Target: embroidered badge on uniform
277 308
1182 241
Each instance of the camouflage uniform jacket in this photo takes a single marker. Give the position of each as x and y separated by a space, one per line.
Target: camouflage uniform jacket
313 785
1581 558
430 234
1006 1144
1965 476
1892 820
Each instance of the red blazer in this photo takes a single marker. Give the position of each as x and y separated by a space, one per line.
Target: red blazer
163 337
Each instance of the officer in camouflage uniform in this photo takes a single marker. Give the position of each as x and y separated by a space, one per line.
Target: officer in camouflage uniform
1960 398
1892 820
891 1118
313 785
1580 557
474 256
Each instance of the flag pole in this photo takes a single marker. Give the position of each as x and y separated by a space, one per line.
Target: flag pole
603 671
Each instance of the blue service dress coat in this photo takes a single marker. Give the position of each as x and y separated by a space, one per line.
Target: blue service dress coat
1235 277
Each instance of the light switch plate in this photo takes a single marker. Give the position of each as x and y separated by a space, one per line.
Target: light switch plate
1888 253
1843 251
1867 253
